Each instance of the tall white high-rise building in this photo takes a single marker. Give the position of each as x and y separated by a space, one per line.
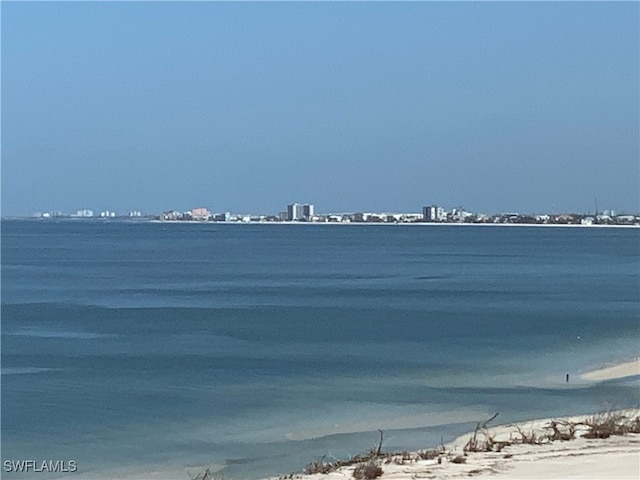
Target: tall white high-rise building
307 211
297 211
433 213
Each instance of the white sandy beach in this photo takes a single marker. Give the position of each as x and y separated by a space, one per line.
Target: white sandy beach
616 457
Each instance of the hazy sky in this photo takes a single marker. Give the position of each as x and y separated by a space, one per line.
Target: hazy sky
246 107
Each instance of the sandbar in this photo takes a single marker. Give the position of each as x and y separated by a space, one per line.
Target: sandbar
621 370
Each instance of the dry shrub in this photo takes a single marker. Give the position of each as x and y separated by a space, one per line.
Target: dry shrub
398 459
428 454
324 467
319 466
528 438
476 445
605 424
634 426
459 459
367 471
498 446
567 432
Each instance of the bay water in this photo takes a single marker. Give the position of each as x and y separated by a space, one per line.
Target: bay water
140 347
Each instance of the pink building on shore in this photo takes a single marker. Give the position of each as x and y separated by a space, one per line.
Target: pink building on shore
200 213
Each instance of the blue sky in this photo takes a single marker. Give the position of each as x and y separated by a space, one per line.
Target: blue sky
530 107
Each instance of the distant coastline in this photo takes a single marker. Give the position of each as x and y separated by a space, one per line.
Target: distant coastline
297 213
303 223
412 224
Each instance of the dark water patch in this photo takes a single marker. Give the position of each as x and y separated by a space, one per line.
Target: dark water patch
303 325
434 277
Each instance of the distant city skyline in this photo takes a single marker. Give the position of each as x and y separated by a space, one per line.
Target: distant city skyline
122 106
305 212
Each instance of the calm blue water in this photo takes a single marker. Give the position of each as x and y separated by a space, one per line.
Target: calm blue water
141 347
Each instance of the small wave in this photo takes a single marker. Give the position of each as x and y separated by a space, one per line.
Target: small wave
60 334
23 370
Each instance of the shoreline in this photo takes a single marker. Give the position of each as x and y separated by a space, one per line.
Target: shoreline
369 224
408 224
520 451
616 457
